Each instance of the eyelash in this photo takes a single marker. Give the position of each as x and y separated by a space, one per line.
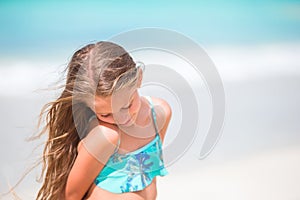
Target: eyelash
129 106
124 108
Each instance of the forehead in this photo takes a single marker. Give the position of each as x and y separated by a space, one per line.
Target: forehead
114 102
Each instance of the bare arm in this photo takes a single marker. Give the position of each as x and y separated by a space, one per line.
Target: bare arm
94 152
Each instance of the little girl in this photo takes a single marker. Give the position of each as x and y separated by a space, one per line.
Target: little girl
105 140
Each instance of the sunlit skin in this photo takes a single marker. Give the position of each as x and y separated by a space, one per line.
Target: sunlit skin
136 110
115 110
119 108
127 110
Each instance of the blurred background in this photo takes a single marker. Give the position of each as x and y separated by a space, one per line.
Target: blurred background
255 46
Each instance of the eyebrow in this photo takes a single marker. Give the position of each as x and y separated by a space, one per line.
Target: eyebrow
124 105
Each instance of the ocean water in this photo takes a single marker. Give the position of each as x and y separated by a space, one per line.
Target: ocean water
50 28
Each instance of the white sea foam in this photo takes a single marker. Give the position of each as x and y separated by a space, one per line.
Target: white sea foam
234 63
238 63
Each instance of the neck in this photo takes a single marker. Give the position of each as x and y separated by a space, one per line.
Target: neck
143 123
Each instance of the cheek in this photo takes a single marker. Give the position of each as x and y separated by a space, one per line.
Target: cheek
135 106
108 119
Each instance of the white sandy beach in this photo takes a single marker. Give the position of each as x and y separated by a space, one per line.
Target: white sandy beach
270 175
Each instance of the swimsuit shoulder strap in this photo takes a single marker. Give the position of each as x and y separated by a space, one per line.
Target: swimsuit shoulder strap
118 145
153 113
153 116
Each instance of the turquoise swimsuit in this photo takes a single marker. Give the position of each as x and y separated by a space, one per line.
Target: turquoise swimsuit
133 171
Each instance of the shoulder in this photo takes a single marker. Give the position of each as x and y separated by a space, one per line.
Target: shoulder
163 112
164 105
101 134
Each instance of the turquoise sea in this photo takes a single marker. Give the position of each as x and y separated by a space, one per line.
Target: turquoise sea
56 27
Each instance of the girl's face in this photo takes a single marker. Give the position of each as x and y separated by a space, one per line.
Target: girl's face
120 108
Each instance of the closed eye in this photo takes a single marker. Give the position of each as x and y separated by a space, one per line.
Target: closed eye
128 106
122 108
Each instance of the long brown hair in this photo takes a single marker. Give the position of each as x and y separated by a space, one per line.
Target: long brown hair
96 69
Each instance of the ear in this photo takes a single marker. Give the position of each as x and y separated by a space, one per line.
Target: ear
140 79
